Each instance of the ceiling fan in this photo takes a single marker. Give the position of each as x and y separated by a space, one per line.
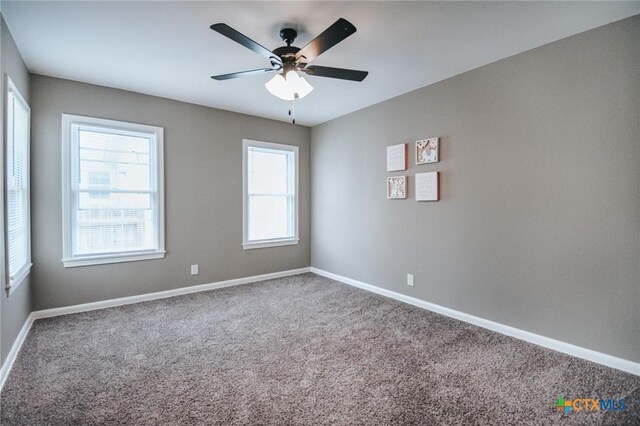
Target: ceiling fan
290 60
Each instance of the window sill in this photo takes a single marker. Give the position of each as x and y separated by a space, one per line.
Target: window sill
269 243
104 259
14 282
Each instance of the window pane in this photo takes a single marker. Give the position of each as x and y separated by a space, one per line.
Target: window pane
19 130
110 231
269 217
17 184
122 160
17 229
268 171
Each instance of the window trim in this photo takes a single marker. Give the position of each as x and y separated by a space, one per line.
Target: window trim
274 242
12 284
70 261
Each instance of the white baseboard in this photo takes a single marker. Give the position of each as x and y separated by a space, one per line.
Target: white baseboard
48 313
13 353
557 345
577 351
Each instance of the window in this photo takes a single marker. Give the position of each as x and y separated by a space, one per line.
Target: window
113 208
17 197
270 201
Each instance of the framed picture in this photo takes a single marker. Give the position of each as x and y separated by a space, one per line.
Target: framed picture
427 186
427 151
397 157
396 187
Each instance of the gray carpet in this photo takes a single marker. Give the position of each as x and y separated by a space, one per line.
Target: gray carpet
296 350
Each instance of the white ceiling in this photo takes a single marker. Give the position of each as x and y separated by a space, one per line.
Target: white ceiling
167 49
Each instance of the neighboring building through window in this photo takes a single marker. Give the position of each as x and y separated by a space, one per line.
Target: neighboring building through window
270 194
113 191
17 199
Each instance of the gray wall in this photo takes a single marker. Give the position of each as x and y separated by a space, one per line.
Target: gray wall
14 309
203 192
539 222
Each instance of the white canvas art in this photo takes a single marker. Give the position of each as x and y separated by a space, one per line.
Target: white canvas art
427 186
397 187
427 151
397 157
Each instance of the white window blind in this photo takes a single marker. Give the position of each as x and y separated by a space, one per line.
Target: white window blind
18 240
115 195
270 194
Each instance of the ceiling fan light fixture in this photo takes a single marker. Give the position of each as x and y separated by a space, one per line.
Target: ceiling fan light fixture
298 84
288 87
277 86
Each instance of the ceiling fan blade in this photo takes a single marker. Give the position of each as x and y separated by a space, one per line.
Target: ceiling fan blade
242 39
242 74
341 73
333 35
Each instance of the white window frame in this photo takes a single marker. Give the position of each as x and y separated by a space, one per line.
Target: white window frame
68 198
246 243
12 282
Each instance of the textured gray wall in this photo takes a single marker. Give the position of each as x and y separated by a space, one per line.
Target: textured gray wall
203 192
14 309
539 222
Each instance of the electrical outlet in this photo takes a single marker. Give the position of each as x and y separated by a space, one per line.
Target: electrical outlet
194 269
410 280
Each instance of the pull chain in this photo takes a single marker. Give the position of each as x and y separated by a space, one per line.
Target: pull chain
292 110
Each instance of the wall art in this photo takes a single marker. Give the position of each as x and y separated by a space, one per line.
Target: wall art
427 186
427 151
397 157
397 187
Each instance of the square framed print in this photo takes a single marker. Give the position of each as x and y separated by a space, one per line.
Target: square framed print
396 187
427 186
397 157
427 151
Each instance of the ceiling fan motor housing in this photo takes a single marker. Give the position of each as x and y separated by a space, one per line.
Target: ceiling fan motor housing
287 54
288 35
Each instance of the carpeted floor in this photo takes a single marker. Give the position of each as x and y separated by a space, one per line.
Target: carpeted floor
296 350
